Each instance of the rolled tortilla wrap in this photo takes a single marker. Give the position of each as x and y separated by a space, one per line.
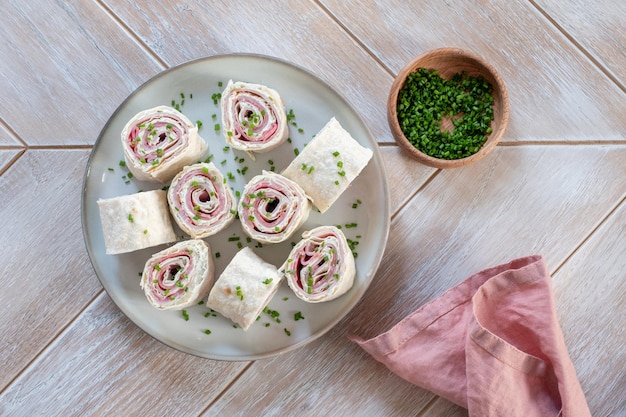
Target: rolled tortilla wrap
159 142
253 117
321 266
272 208
245 288
135 221
328 164
179 276
200 201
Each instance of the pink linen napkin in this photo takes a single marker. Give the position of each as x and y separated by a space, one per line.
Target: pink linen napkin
491 344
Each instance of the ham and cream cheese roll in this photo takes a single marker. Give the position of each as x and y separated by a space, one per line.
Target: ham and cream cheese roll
179 276
328 164
159 142
321 266
200 201
272 208
253 117
135 221
245 288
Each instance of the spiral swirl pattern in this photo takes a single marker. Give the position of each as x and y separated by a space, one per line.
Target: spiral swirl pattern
321 266
179 276
272 208
253 117
159 142
200 201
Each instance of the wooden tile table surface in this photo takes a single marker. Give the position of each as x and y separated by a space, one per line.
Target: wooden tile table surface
555 186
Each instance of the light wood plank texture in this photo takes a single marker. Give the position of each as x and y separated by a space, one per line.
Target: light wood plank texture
516 204
591 284
598 26
8 139
289 30
407 175
47 278
65 67
591 288
554 92
555 186
8 156
105 365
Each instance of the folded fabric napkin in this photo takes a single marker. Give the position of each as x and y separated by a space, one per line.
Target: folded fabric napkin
491 344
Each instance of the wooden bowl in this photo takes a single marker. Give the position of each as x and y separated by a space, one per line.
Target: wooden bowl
449 61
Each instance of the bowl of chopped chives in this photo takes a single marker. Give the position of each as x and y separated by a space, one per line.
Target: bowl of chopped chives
448 108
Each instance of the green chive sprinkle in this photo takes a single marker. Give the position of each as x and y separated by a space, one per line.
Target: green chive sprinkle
427 100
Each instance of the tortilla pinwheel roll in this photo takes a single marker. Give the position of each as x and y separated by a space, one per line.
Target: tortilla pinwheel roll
253 117
179 276
245 288
135 221
321 266
328 164
159 142
272 208
200 201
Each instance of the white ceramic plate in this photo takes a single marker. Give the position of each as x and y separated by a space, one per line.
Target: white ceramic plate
313 102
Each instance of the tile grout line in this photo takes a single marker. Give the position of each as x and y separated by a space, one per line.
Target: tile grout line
429 405
58 147
609 142
410 198
352 36
607 72
132 34
226 388
12 132
12 161
53 339
621 202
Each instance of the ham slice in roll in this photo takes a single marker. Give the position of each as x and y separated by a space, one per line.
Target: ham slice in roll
245 288
179 276
159 142
328 164
272 208
253 117
135 221
321 266
200 201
